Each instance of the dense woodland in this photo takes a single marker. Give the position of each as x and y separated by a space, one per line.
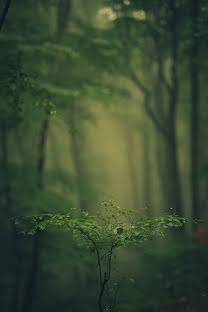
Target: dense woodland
103 104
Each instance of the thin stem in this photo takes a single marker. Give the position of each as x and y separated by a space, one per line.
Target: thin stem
97 253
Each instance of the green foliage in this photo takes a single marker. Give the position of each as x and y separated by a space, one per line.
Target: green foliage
110 226
102 233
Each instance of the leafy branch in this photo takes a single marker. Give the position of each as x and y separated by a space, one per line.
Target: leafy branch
103 233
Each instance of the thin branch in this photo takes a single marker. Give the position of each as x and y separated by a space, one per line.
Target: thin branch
97 253
109 262
4 13
101 293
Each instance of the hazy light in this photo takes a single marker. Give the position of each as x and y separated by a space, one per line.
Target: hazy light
140 15
108 13
127 2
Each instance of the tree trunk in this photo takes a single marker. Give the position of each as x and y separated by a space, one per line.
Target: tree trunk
8 208
194 84
4 13
75 152
174 191
173 101
18 271
32 278
63 11
133 174
146 169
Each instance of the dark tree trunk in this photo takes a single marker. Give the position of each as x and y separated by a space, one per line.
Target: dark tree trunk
18 279
146 169
18 271
173 197
42 153
63 11
174 91
5 169
166 123
80 177
7 194
32 278
77 148
162 171
4 13
194 84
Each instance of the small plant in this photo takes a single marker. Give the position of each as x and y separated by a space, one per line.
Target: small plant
103 233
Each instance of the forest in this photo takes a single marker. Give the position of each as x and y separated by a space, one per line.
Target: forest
103 155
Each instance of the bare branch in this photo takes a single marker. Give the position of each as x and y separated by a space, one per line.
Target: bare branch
97 253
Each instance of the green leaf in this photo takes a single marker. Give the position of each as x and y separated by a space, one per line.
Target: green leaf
132 280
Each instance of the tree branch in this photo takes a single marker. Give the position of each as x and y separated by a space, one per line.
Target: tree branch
4 13
97 253
147 107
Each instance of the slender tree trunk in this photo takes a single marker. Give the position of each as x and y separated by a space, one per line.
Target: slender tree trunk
8 207
75 151
32 278
133 174
42 153
63 11
5 169
146 169
100 299
4 13
173 93
18 279
173 195
18 271
161 149
77 148
194 82
162 171
31 284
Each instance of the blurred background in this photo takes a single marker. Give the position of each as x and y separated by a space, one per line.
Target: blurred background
103 100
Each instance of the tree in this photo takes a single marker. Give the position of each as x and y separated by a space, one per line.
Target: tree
195 106
103 233
132 40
